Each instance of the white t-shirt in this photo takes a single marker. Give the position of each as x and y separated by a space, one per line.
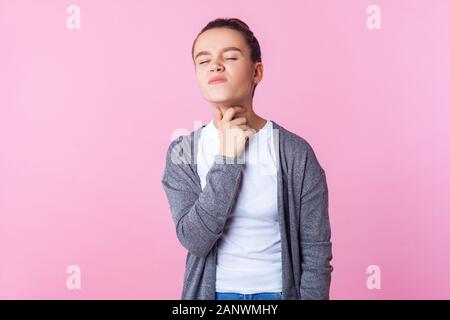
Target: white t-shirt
249 250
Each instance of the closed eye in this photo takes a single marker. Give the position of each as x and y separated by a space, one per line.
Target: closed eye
225 59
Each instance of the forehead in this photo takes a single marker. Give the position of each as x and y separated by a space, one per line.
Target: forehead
214 40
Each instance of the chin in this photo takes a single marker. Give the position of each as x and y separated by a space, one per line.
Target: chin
220 98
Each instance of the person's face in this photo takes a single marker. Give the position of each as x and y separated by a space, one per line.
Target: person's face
214 56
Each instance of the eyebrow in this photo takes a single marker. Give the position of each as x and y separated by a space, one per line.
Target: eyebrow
223 50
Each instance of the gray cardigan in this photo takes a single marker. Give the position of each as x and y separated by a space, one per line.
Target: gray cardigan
200 215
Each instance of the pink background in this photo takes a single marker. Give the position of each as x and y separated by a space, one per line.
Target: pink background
86 117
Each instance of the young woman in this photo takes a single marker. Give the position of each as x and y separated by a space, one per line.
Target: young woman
249 198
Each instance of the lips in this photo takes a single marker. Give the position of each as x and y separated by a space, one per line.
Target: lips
218 79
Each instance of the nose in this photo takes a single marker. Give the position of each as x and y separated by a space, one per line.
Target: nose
216 67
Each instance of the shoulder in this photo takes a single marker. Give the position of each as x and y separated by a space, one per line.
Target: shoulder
295 147
293 142
180 149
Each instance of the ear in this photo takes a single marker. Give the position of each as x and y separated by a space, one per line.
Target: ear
259 71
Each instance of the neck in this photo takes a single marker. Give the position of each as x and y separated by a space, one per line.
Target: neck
254 121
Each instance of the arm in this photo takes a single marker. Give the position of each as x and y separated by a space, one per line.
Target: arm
200 216
315 233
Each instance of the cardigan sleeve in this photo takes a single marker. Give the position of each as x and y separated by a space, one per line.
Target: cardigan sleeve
200 215
315 232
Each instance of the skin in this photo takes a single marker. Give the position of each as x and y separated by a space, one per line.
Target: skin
231 101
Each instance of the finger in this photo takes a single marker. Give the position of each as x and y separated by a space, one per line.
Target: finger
228 115
240 112
238 121
244 127
231 111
